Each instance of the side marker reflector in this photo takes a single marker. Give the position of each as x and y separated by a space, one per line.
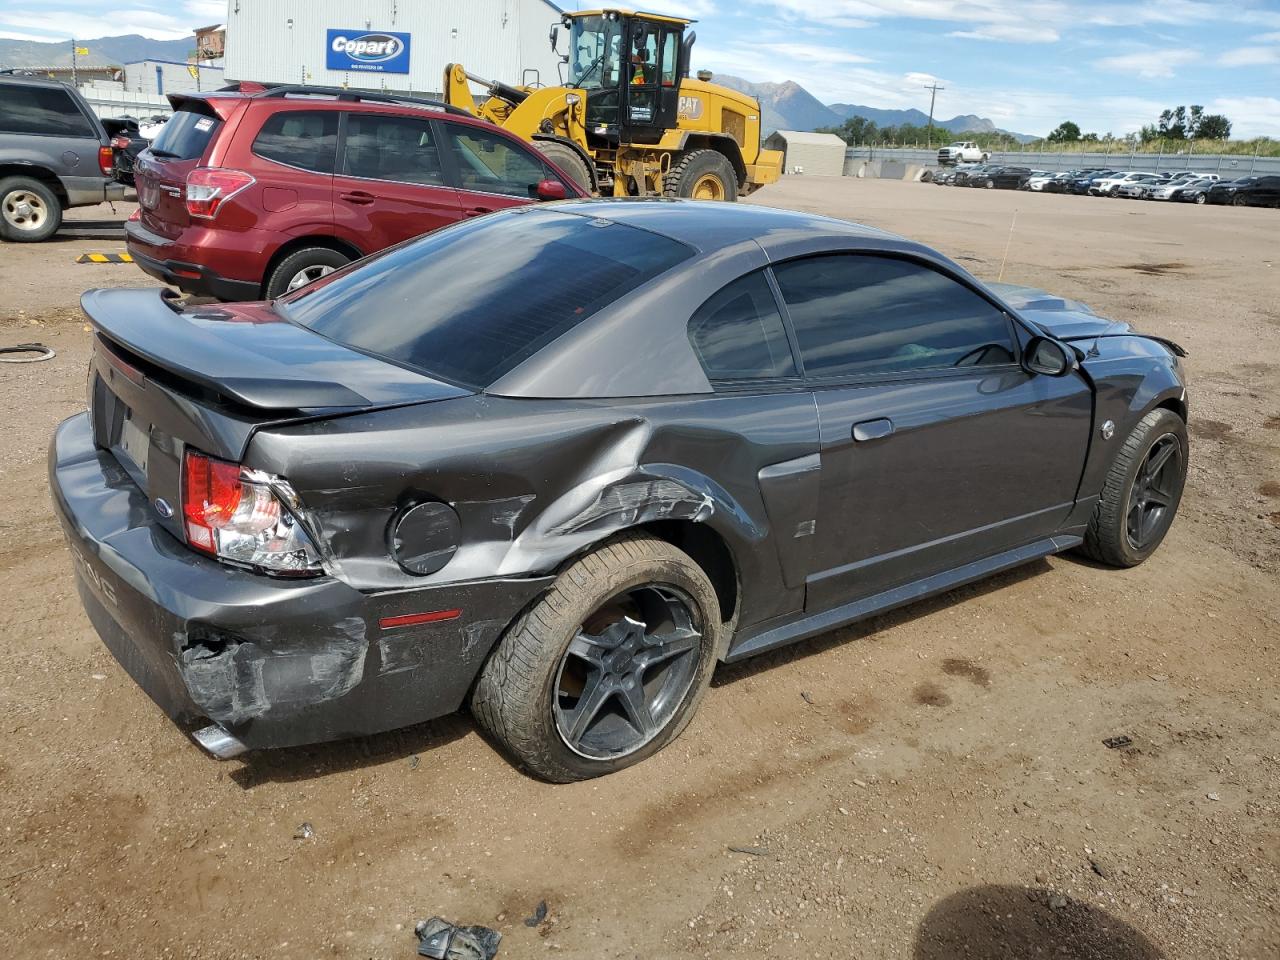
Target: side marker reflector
413 619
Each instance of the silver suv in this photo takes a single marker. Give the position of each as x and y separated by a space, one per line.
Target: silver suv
54 154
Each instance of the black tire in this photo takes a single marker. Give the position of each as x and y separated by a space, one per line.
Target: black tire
519 694
1108 539
1239 202
1200 198
568 160
317 261
698 167
29 210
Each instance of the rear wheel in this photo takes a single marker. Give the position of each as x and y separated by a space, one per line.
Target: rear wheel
1141 493
608 667
568 160
702 175
302 267
29 210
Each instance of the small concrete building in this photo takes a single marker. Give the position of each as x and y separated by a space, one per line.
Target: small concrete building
812 154
160 77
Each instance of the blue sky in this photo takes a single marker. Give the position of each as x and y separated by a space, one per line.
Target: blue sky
1026 64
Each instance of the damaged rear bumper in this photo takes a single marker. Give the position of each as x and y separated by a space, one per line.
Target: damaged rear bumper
275 662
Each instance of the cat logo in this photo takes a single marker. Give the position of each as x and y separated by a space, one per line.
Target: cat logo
690 108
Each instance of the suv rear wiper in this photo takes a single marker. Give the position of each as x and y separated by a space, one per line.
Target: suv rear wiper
161 153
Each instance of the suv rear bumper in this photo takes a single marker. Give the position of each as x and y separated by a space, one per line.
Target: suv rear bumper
87 191
151 252
276 662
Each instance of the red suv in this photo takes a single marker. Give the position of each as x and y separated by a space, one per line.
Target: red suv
248 194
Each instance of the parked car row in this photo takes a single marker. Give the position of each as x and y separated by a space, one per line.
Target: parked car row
1185 186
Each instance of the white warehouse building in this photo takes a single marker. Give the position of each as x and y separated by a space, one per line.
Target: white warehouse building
400 45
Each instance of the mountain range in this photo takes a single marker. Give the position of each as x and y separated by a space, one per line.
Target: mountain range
789 106
103 52
785 106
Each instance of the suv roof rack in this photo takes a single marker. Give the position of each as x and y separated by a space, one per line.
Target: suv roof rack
344 94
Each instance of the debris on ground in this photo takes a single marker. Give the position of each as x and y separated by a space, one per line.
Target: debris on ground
1117 743
751 851
305 831
39 349
539 914
807 697
442 940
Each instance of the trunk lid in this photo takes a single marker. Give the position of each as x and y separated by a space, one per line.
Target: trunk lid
164 377
160 172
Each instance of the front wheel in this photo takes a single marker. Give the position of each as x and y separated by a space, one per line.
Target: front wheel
702 175
608 667
1141 493
1200 198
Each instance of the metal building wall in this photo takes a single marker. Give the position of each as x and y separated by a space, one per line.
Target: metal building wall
284 41
140 77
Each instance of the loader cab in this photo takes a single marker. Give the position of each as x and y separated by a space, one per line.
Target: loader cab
630 67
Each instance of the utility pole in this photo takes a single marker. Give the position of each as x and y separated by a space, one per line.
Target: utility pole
75 74
933 96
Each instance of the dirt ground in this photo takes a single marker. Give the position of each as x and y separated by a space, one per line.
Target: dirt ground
929 785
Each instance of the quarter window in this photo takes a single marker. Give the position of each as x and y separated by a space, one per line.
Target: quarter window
307 139
403 149
490 163
45 111
738 333
856 315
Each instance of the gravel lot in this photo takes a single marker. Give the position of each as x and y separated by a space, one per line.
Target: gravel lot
931 784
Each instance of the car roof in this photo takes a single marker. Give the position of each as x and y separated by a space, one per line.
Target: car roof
32 81
708 225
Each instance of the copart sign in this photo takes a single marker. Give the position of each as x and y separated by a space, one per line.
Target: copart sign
370 52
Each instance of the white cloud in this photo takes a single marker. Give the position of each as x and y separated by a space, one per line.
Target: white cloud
1149 64
1010 33
1250 57
1249 116
92 21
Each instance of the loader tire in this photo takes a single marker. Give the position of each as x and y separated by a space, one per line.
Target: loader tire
568 160
702 175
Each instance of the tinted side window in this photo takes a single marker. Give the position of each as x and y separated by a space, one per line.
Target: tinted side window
490 163
403 149
45 111
185 136
300 138
858 315
738 333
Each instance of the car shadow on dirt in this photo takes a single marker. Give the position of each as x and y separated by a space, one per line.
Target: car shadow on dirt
323 759
731 673
1015 923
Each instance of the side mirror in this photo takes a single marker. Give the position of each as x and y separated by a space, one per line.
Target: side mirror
550 190
554 37
1048 357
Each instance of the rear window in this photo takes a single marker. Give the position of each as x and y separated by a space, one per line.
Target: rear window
43 111
185 136
470 302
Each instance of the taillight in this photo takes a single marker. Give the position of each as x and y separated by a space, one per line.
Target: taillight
208 188
120 143
235 514
106 160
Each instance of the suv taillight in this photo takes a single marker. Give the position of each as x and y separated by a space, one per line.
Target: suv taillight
208 188
106 161
233 513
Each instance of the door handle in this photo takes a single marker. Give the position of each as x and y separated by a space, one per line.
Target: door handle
872 429
478 211
358 196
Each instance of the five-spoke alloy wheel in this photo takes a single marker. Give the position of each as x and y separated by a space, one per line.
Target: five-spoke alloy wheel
608 666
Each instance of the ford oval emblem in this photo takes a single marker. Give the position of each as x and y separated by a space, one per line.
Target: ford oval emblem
163 508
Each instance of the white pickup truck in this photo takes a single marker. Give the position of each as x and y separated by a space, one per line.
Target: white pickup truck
962 151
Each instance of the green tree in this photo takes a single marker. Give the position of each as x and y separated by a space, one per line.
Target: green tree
1066 132
1214 126
1173 123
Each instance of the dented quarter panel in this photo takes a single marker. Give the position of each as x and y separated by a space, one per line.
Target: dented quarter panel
537 483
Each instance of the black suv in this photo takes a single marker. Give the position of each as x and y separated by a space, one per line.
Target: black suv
54 154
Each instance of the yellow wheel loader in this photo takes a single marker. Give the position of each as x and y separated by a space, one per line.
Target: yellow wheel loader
629 121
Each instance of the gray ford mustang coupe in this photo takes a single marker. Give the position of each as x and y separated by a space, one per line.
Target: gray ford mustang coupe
557 462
